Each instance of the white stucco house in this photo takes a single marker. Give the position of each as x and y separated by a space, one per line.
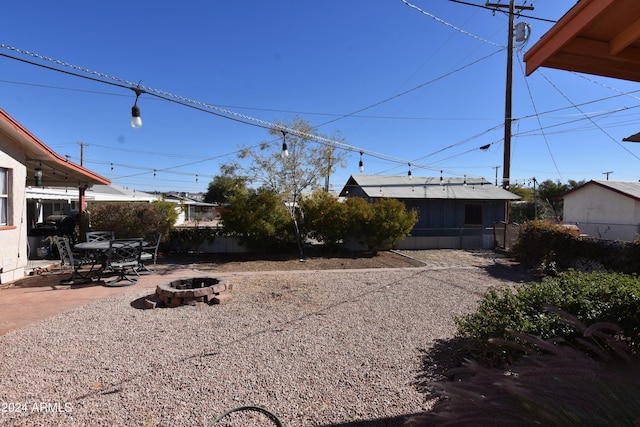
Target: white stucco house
604 209
26 161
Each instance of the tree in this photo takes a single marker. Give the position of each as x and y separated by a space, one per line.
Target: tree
548 191
309 160
223 187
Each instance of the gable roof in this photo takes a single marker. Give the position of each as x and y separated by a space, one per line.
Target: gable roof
420 187
600 37
57 171
626 188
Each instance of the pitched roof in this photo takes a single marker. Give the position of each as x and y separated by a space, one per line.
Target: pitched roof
627 188
420 187
57 171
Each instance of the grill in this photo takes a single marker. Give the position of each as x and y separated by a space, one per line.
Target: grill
55 225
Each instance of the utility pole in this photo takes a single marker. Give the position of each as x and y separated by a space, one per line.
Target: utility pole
607 174
82 145
496 168
83 219
509 87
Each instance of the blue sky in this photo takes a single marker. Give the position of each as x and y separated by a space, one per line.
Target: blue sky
436 92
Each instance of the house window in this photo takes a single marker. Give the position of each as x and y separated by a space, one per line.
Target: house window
472 214
4 196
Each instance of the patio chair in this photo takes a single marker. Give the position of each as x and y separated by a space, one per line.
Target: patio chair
93 236
123 259
75 261
150 251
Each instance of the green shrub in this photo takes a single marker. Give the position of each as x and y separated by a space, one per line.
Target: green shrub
390 223
552 247
545 244
260 220
132 219
378 225
189 239
590 297
324 218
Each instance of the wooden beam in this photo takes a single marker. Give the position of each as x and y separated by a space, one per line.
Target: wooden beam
625 38
564 31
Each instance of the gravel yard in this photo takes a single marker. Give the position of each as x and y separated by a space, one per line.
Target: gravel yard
316 348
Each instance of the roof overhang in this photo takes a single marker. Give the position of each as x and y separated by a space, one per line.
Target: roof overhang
57 171
600 37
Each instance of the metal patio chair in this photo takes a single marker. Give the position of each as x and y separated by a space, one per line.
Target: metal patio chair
76 261
123 259
149 251
93 236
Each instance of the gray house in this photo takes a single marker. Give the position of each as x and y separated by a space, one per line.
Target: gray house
452 212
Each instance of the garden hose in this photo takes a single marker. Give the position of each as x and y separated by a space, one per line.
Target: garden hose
271 416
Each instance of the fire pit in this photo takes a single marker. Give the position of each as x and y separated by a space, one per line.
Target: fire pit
193 291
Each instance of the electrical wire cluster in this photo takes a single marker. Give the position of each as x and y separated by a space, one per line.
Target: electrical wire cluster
139 89
85 73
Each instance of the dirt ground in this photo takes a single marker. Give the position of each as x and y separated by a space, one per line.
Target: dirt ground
383 259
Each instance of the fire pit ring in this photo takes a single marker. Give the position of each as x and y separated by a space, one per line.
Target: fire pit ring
193 291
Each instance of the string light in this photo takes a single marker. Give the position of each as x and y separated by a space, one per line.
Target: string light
285 149
136 120
222 112
38 175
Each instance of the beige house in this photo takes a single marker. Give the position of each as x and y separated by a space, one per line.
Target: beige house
27 161
604 209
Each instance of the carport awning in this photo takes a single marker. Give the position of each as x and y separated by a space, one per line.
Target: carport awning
600 37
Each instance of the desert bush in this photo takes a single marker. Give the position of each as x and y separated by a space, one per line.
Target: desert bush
593 381
324 218
378 225
552 247
590 297
260 220
545 244
133 219
189 239
390 222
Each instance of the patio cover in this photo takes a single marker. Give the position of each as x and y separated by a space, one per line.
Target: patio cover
600 37
57 171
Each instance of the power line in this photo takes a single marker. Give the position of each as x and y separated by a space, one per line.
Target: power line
201 106
544 136
493 9
589 118
442 21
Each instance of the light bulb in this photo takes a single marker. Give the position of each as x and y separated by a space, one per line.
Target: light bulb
136 120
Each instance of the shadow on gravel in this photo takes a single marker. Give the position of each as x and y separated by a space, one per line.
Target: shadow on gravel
141 303
437 361
512 272
399 421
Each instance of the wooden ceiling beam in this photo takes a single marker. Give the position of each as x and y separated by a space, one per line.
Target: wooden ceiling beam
625 38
